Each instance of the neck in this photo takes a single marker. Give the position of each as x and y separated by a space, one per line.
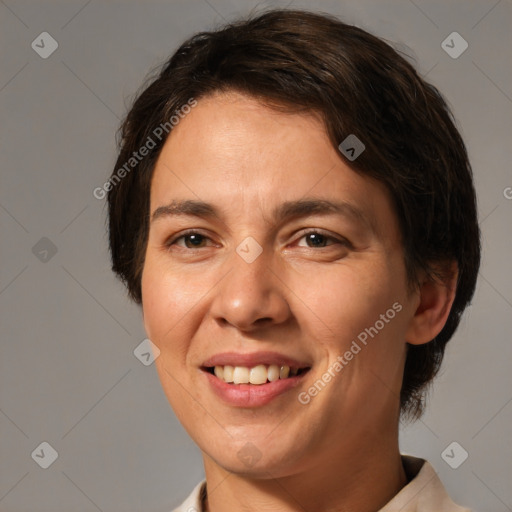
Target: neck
363 479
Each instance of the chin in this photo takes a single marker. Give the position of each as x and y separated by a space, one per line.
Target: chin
256 457
262 468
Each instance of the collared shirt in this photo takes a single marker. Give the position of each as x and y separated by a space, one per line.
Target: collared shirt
423 493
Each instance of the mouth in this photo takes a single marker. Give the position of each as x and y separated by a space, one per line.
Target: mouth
252 380
256 375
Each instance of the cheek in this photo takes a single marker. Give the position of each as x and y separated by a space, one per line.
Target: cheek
364 310
347 299
157 305
166 302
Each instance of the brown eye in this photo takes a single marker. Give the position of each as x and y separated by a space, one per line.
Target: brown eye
191 240
315 239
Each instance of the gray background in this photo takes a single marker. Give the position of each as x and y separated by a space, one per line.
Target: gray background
68 373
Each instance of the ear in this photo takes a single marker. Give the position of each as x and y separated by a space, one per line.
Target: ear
436 297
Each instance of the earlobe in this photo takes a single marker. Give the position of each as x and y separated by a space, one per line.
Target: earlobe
436 296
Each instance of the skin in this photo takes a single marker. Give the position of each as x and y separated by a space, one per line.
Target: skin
305 300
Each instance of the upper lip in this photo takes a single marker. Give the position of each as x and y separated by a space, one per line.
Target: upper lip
253 359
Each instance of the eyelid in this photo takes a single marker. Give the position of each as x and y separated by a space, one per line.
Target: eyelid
336 238
298 236
174 238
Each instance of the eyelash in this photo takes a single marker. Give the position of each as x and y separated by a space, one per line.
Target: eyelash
328 237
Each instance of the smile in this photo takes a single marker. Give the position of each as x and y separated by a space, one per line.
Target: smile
257 375
252 379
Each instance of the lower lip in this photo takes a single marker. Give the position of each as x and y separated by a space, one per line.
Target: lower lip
251 395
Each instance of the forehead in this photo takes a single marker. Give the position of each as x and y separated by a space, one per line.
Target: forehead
240 137
232 151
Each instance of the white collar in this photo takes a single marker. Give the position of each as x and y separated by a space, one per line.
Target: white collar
423 493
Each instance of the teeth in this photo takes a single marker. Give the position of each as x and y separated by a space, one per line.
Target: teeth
273 372
284 371
241 375
228 373
257 375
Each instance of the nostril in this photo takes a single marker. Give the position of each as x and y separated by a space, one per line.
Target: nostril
263 320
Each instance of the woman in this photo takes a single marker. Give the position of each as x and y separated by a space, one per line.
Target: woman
293 208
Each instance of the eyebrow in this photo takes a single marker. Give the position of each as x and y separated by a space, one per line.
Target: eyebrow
285 211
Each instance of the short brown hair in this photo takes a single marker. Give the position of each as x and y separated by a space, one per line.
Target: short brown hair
358 84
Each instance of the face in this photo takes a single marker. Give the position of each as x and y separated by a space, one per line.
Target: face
267 255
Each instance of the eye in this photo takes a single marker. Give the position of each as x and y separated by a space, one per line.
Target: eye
312 239
316 239
189 240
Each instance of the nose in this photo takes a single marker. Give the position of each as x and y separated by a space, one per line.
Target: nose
251 296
